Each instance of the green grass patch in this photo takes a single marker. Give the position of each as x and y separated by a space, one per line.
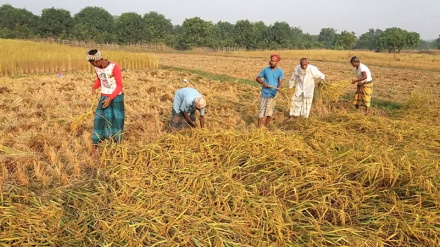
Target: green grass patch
386 104
379 103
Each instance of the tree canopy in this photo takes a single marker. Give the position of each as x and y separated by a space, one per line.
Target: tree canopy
131 28
94 24
98 25
57 23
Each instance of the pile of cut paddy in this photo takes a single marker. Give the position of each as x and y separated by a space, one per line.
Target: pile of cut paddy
350 180
338 178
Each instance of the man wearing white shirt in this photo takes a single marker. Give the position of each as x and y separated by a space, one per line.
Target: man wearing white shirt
364 87
303 78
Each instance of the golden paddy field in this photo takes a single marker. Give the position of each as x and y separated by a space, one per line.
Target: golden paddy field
339 178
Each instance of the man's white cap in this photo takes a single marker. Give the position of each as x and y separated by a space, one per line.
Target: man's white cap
200 103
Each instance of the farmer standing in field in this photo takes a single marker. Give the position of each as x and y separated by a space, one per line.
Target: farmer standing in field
186 102
110 114
303 78
271 78
364 88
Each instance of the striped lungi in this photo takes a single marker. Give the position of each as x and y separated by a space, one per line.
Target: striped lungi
267 105
109 122
363 94
179 122
300 105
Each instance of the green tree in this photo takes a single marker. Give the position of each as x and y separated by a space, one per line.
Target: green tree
412 39
195 33
346 40
309 41
17 23
158 28
94 24
437 43
280 35
175 34
223 34
296 36
426 45
380 41
395 39
130 28
327 36
262 36
368 40
244 34
56 23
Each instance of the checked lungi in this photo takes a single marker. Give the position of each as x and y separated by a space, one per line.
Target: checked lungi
363 94
178 120
109 122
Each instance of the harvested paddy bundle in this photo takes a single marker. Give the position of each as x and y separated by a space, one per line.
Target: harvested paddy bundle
421 98
345 180
327 91
78 121
239 188
285 94
7 151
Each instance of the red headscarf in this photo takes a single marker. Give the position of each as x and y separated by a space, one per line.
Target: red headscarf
276 55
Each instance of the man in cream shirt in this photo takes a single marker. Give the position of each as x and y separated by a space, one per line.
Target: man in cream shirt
364 87
303 78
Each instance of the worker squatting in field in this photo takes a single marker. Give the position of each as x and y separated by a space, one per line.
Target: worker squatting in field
185 104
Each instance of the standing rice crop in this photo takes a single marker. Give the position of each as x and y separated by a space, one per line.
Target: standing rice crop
27 57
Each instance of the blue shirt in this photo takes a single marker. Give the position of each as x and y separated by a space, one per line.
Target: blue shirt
271 77
184 100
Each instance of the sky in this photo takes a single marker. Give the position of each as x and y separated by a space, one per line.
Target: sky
421 16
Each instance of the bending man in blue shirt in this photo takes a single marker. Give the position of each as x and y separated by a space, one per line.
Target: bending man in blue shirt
185 104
